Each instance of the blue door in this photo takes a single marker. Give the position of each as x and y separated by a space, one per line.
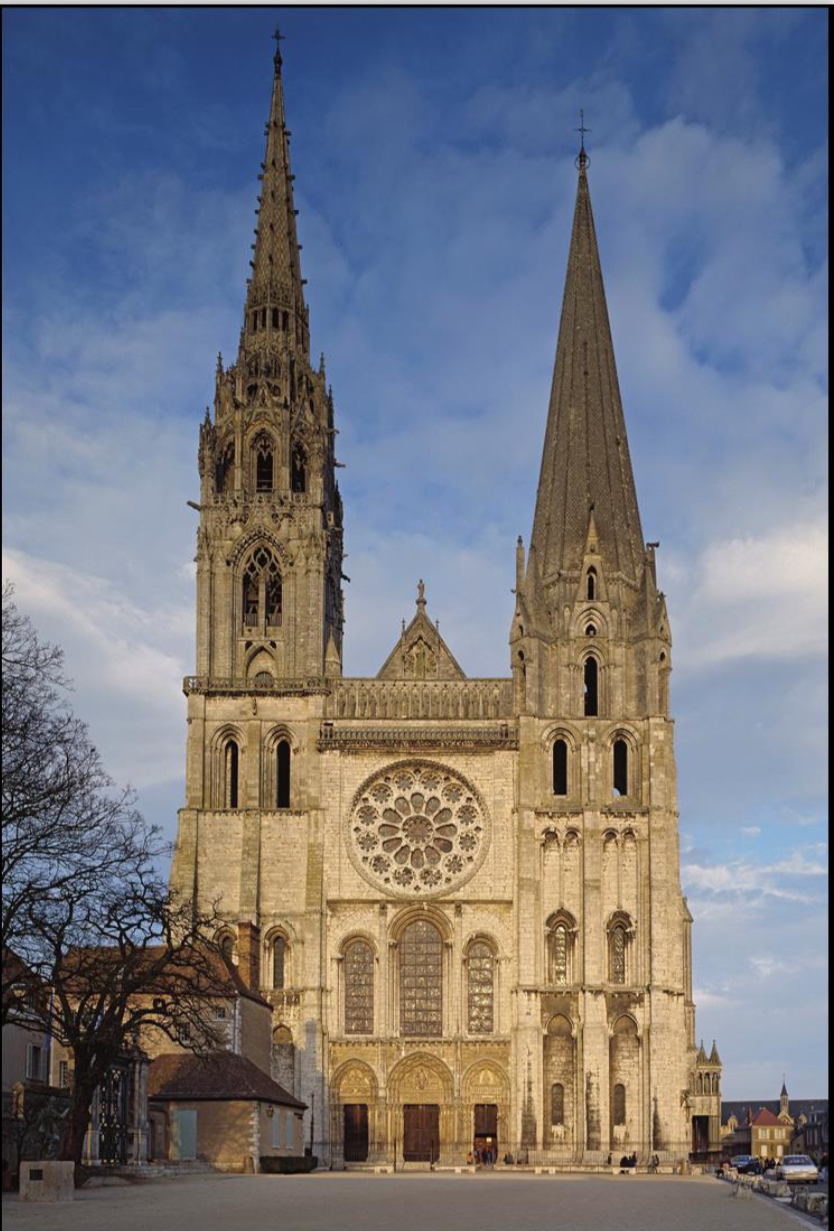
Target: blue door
184 1134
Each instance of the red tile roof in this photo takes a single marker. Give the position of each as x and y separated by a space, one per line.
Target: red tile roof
175 1076
763 1116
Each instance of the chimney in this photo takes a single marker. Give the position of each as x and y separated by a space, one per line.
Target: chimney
248 949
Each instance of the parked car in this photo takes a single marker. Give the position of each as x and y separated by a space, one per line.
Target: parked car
798 1169
746 1164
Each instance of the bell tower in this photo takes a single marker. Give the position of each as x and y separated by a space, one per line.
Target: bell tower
269 553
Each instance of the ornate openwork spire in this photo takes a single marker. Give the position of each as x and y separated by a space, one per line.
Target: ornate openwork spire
585 463
274 298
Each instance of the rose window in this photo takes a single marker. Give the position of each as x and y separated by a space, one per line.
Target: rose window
418 829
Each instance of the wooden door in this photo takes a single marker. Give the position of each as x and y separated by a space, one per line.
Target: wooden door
356 1132
421 1132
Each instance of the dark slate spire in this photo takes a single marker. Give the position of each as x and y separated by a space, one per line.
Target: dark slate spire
585 463
276 285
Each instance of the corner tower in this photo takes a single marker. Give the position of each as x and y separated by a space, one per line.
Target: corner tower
269 554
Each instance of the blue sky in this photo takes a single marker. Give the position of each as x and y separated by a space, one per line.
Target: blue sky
434 158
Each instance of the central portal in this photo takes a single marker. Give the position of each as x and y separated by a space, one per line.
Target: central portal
421 1132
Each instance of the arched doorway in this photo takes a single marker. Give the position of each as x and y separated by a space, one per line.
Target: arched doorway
354 1113
421 1109
485 1110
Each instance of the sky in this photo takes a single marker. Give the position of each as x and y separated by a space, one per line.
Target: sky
434 154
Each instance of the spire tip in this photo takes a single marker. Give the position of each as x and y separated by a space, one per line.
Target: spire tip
582 160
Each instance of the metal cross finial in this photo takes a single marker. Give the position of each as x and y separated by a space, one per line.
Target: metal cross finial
278 36
582 159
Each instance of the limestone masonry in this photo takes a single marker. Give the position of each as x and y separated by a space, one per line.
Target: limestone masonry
461 896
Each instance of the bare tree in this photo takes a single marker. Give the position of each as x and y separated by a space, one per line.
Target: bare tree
121 963
109 954
64 821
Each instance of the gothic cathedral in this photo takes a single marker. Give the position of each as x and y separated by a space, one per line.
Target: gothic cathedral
461 896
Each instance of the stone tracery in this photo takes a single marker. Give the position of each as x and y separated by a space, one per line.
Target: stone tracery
418 828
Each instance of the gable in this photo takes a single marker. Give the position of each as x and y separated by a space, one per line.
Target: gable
421 653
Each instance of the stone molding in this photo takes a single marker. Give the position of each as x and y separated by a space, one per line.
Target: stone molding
458 739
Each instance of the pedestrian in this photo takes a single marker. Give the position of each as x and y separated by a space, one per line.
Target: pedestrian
469 1159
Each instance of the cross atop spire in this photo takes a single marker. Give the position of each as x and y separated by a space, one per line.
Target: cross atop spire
582 158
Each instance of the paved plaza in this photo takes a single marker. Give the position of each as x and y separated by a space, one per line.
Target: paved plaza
351 1202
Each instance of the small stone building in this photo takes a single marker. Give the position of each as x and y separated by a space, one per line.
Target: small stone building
222 1110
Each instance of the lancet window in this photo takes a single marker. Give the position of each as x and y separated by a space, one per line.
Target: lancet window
560 767
620 759
264 457
618 946
231 774
591 583
559 950
279 962
591 687
283 755
557 1103
298 469
222 469
618 1110
262 591
421 979
481 969
359 988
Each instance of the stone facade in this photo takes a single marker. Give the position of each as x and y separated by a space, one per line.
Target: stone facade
461 896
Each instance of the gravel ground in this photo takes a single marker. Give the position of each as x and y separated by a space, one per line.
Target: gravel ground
359 1202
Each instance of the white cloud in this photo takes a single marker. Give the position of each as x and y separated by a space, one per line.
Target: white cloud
747 885
762 596
126 686
752 831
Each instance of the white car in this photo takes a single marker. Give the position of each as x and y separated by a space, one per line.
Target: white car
798 1169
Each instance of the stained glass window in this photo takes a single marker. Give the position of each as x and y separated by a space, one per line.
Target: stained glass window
557 1103
279 956
359 988
559 954
421 979
481 989
619 1102
618 955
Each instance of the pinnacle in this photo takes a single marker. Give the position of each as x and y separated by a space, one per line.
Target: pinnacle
585 462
